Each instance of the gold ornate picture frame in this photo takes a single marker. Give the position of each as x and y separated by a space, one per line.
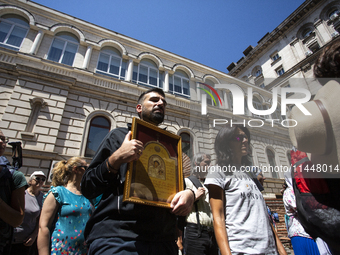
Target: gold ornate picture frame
157 175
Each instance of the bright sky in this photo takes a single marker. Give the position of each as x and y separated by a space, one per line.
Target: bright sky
211 32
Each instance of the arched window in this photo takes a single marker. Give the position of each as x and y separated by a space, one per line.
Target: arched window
64 48
99 127
306 32
333 14
257 71
187 145
13 30
146 73
272 162
179 83
111 63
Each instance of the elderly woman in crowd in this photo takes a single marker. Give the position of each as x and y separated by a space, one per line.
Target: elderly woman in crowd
241 223
26 234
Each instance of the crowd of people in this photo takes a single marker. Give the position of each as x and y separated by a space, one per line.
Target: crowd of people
218 212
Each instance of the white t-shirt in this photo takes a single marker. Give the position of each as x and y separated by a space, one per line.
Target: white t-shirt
246 219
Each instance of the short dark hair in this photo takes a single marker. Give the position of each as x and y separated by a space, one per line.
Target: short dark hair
142 96
327 66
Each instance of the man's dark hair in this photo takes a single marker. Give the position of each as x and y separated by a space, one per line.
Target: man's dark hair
327 66
142 96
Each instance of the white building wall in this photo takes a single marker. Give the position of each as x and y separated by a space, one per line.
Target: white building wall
74 95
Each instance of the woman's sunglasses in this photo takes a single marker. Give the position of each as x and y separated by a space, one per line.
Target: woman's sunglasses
240 138
38 179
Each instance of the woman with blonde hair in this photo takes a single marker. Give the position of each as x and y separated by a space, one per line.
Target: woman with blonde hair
65 211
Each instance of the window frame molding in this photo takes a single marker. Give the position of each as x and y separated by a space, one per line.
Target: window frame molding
181 77
13 25
195 147
37 104
119 76
278 69
66 41
155 68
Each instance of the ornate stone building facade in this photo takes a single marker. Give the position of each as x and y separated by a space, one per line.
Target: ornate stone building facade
285 56
64 83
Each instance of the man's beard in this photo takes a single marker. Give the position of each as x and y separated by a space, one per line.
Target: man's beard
153 117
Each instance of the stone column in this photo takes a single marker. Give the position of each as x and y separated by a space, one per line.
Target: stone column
226 100
129 72
36 43
166 81
87 57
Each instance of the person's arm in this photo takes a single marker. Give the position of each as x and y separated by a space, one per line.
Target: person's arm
14 213
47 216
182 202
289 203
31 238
199 193
279 245
116 150
217 202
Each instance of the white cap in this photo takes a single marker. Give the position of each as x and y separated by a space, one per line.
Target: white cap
38 173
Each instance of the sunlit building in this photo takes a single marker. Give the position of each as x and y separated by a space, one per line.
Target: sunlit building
65 83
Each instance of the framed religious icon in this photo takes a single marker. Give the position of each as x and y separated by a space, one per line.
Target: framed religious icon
156 176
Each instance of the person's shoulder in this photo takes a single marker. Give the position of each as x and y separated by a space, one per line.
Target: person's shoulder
18 174
119 131
19 179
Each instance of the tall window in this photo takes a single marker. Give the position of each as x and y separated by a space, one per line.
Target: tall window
280 71
186 145
179 83
258 72
146 73
275 56
271 161
64 48
13 30
99 127
111 63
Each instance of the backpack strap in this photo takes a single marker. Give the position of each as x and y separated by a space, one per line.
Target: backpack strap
195 181
197 184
